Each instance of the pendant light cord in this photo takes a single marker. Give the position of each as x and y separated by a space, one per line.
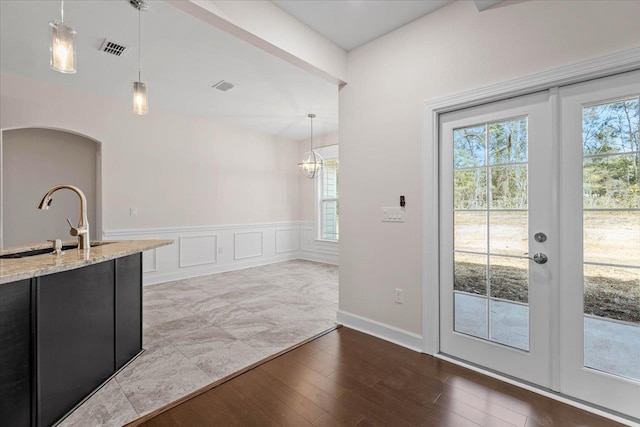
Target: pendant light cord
311 133
62 11
139 45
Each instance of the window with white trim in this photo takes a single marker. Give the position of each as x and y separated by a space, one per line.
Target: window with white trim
328 213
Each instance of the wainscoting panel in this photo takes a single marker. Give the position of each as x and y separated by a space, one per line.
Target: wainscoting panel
306 239
198 250
203 250
326 247
287 240
248 244
313 249
150 261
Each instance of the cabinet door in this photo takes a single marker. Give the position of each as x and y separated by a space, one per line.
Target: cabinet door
128 308
15 353
75 338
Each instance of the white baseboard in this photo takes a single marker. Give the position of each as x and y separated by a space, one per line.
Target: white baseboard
317 257
389 333
179 275
202 250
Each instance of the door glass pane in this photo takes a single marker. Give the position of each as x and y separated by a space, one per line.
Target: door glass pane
611 232
509 290
508 141
491 292
470 315
469 145
470 273
470 294
612 181
509 187
510 324
509 278
610 128
612 319
612 237
470 189
508 231
470 231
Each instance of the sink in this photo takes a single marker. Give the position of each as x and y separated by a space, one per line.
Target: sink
46 251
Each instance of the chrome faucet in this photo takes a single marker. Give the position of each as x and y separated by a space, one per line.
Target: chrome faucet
82 230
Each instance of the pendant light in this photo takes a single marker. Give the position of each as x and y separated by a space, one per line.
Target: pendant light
312 162
140 105
63 48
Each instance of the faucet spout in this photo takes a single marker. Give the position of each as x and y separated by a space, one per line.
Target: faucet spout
82 230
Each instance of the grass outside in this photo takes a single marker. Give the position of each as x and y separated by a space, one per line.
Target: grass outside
610 237
605 295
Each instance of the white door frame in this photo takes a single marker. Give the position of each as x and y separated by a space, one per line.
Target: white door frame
620 62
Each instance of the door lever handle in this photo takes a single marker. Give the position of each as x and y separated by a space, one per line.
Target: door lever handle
538 258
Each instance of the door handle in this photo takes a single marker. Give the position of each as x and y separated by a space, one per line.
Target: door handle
539 258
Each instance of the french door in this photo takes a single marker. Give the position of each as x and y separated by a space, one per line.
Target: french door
495 195
540 239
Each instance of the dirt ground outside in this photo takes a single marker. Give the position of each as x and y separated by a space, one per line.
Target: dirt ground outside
610 237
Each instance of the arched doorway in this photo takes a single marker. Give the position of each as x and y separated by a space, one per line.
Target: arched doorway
33 161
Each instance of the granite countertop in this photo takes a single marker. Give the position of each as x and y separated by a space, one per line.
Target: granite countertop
39 265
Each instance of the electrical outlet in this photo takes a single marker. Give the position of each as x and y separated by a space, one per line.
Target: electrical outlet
133 211
399 299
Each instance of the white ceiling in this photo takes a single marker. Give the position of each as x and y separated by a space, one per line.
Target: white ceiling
352 23
182 57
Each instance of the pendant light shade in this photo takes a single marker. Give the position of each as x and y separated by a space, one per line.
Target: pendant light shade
140 101
311 164
63 47
140 98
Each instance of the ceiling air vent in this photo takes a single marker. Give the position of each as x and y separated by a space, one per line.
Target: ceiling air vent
223 86
114 48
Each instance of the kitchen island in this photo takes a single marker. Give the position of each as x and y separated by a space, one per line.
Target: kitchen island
68 322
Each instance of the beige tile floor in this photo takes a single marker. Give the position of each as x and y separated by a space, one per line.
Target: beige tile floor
199 330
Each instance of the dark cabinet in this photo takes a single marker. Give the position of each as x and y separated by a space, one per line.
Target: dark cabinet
128 308
15 353
62 335
75 340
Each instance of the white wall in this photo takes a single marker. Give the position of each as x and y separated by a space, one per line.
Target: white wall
452 50
33 161
177 170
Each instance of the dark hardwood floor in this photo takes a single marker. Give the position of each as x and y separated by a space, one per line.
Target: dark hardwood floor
347 378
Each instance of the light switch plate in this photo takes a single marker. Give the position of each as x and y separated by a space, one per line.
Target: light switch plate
392 214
